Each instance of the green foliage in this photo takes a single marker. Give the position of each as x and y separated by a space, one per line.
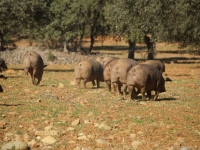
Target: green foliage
55 21
51 57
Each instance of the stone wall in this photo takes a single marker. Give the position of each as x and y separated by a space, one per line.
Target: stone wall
13 57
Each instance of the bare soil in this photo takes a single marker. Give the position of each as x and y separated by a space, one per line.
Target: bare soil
105 121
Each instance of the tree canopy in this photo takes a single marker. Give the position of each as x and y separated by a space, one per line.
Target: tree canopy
53 22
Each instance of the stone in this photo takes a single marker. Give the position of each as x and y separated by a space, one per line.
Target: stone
71 142
133 136
38 101
179 141
85 148
104 126
48 140
185 148
27 90
18 138
87 122
46 133
61 86
48 128
91 137
26 137
70 129
76 122
13 114
102 143
83 137
2 124
32 143
96 125
19 145
135 144
90 114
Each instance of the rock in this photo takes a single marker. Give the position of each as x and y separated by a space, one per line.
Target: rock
96 125
46 133
76 122
27 90
48 128
85 148
38 101
179 141
18 138
142 103
104 126
19 145
2 124
132 136
110 137
91 137
61 86
8 137
70 129
32 143
71 142
13 114
73 82
90 114
135 144
48 140
81 136
102 143
87 122
26 138
185 148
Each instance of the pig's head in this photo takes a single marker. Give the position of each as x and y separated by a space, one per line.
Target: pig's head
3 65
162 85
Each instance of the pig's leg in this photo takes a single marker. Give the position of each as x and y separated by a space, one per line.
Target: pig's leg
78 82
156 95
143 93
108 85
97 83
93 82
124 88
84 83
119 88
149 94
115 88
130 90
33 77
26 74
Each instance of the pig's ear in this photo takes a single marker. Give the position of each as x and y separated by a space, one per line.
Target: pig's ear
45 66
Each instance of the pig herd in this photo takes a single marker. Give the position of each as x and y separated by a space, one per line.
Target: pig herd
122 73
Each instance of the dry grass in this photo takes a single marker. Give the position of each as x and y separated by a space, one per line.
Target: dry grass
171 122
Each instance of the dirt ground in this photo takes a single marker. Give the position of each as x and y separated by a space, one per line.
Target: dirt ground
95 119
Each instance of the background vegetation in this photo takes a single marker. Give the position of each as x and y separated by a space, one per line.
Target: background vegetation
54 23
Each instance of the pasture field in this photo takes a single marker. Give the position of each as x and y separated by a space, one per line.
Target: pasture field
96 119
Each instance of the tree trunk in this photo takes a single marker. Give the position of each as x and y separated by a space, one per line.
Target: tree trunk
131 51
65 47
1 40
91 42
150 47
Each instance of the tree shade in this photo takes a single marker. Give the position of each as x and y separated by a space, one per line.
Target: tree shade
54 22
